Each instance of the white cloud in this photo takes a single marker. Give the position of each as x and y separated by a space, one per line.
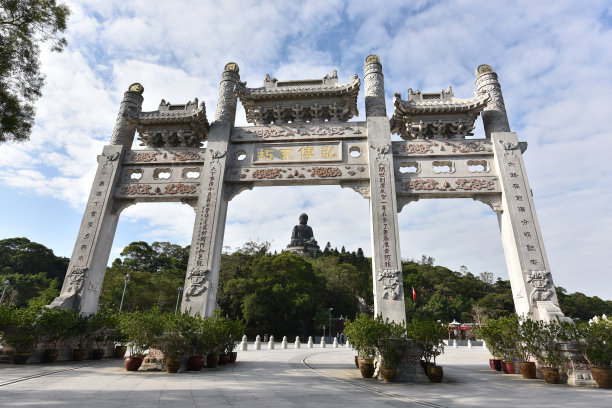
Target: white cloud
553 60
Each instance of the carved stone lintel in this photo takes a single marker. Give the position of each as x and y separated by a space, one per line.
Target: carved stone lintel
232 190
362 187
492 200
403 200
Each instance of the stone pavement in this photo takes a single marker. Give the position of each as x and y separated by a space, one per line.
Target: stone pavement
282 378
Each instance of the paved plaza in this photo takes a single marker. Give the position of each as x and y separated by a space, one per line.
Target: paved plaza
318 377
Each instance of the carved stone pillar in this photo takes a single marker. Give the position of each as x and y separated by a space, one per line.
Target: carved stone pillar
530 277
123 133
374 84
83 282
494 117
202 278
386 257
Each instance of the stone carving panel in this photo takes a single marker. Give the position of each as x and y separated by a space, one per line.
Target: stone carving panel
461 184
158 190
540 281
391 283
298 132
197 278
426 147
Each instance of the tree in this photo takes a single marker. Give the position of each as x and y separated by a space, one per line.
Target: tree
24 24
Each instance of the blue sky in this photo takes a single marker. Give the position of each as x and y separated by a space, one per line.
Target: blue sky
553 60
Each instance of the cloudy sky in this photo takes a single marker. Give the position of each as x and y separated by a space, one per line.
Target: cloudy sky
553 58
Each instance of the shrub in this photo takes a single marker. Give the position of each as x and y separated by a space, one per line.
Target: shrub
428 334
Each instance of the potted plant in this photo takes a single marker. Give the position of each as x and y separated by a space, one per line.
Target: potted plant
551 356
490 333
172 342
81 330
390 346
114 334
210 330
363 336
237 329
225 340
99 333
509 331
429 335
19 331
194 341
54 328
140 329
528 346
595 338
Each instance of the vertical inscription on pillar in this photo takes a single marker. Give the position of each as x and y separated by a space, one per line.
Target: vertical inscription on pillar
210 198
95 205
521 205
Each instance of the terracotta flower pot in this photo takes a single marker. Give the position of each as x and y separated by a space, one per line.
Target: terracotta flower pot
508 367
50 355
224 359
495 364
119 351
132 363
195 363
602 376
173 364
97 354
212 360
357 361
434 373
79 354
20 358
233 356
366 366
527 369
551 375
388 374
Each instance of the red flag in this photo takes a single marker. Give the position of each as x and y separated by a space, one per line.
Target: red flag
413 294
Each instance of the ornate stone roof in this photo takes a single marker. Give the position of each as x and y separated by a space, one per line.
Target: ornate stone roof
307 100
435 115
183 125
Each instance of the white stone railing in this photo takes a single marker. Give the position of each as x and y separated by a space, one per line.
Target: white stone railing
284 344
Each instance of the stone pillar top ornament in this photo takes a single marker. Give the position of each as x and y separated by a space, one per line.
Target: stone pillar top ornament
374 87
494 116
226 104
123 132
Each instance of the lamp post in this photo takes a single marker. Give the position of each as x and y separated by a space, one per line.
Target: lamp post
330 310
178 296
7 283
126 280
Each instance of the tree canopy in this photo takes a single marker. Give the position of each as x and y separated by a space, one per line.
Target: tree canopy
280 294
24 25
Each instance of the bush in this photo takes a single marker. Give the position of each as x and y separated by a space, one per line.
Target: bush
595 338
18 328
140 329
55 326
428 334
363 335
391 342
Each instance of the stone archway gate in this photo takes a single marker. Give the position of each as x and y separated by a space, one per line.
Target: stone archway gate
302 136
